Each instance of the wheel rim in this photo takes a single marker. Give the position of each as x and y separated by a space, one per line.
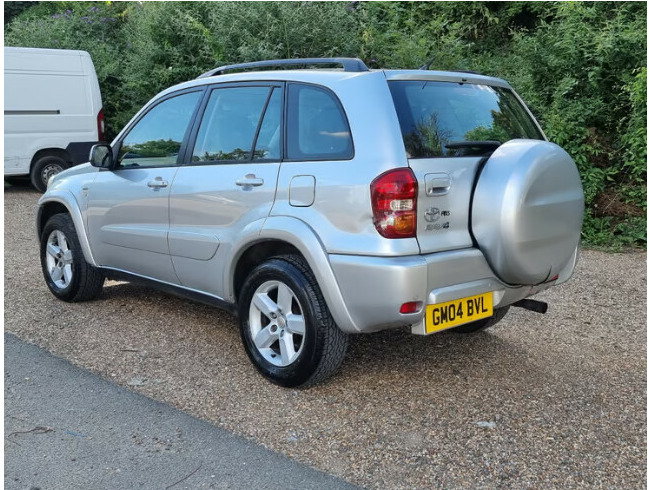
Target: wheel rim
276 323
50 170
58 257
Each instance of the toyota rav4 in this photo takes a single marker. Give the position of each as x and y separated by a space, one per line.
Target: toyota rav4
316 203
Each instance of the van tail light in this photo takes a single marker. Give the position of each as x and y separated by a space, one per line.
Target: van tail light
394 203
100 125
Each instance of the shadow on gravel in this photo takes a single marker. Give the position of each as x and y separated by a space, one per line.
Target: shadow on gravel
397 354
19 185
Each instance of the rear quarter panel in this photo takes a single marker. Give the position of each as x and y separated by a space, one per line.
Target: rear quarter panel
341 212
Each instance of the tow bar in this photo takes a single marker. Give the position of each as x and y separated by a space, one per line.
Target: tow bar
532 305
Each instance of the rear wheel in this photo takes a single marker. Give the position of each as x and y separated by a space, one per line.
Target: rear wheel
44 168
480 325
285 325
66 272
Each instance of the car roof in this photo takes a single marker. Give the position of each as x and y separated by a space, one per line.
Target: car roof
329 77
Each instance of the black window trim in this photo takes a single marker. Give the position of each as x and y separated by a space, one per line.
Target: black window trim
285 145
179 159
272 85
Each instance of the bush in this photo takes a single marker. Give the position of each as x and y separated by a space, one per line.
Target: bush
580 66
171 42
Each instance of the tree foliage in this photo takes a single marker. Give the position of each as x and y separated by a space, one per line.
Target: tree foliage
581 66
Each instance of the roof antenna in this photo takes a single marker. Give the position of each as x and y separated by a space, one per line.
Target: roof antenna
426 67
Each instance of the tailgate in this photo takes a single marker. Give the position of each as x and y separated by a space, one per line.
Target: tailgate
448 128
445 189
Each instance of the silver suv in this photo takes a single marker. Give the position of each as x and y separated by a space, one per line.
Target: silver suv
318 203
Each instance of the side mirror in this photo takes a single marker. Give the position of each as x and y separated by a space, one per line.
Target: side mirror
101 156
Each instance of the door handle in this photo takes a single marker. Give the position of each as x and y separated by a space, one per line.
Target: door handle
157 183
250 181
437 184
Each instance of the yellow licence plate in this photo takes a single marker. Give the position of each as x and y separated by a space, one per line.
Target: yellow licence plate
458 312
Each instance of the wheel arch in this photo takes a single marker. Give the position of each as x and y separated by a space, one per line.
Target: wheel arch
64 202
282 235
46 152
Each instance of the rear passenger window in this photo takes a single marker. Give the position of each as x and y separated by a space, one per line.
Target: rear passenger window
231 121
267 145
317 128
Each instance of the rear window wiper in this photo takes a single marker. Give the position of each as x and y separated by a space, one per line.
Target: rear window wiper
488 145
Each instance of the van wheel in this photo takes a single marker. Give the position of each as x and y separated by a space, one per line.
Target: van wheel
480 325
66 272
285 325
44 168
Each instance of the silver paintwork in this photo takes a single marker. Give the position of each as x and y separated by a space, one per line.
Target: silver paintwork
277 326
189 225
207 202
128 221
528 209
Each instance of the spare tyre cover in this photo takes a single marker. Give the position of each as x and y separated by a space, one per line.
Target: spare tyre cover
527 211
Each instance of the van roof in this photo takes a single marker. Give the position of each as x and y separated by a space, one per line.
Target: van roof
45 51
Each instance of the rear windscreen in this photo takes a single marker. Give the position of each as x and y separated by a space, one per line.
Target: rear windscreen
433 114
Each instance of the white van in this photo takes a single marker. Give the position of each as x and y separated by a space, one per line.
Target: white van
53 111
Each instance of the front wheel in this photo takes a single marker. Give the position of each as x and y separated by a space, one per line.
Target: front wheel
66 272
285 325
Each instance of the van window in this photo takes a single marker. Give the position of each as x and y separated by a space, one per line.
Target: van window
229 124
432 114
156 139
317 128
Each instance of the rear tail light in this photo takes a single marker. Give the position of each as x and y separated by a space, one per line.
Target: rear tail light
100 125
394 198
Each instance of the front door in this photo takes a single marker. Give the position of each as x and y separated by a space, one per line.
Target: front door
128 208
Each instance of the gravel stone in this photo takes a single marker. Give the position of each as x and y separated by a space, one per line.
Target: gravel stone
566 391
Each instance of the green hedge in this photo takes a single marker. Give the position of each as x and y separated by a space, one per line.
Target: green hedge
581 66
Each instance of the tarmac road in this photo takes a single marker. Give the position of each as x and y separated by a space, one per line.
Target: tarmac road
66 428
538 401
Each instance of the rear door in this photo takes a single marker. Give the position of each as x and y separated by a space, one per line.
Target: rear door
472 118
229 182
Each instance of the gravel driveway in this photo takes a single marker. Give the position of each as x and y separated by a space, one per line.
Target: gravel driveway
548 401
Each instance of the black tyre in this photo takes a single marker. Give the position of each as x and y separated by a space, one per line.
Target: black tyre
66 272
481 325
285 325
44 168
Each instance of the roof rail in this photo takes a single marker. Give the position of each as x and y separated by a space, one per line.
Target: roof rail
349 64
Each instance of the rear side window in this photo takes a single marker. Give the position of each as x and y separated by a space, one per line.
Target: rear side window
317 128
433 114
231 121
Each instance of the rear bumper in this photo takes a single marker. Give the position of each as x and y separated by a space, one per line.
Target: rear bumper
374 288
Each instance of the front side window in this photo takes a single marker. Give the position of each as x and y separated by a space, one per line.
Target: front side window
231 125
434 114
317 128
156 139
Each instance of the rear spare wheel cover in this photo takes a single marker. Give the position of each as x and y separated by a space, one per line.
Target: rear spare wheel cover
527 211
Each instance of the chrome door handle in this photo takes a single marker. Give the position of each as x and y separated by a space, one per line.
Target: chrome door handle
250 181
157 183
437 184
